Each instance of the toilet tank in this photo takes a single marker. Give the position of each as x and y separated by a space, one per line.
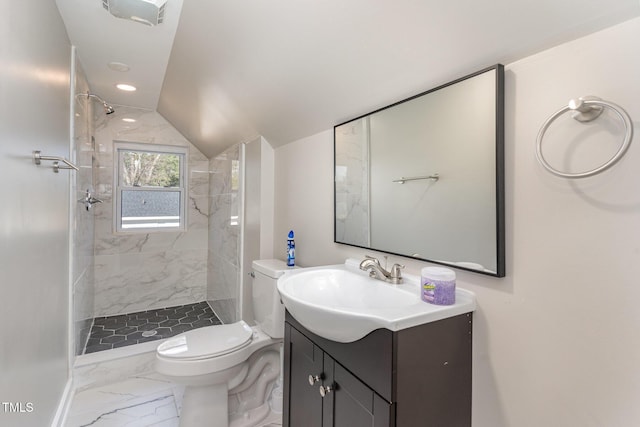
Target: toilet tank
268 311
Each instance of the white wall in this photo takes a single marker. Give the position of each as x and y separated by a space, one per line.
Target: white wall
556 342
34 213
267 195
257 214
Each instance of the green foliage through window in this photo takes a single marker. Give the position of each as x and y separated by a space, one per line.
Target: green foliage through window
148 169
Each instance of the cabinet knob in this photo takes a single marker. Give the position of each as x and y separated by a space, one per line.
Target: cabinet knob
325 390
314 379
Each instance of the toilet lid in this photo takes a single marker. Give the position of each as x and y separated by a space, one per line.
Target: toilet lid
210 341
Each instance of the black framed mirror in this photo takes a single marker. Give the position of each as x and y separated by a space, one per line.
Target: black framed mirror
424 177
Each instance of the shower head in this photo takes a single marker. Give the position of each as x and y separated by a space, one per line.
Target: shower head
108 109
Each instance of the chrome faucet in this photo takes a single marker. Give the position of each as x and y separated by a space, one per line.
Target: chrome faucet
372 265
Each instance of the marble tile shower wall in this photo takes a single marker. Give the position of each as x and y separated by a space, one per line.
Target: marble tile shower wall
223 277
352 184
82 221
136 272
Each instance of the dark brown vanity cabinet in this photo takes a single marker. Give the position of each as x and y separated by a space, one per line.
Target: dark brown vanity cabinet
419 376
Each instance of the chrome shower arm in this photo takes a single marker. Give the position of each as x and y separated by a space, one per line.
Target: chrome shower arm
108 108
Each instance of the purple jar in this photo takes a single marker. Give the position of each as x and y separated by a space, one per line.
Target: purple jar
438 286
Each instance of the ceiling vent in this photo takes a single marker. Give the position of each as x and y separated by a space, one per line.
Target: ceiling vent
148 12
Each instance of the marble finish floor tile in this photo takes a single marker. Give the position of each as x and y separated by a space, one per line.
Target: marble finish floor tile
272 420
134 328
135 402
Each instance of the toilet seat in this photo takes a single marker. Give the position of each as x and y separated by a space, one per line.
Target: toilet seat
207 342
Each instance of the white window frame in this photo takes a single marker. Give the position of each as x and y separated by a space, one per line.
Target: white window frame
183 153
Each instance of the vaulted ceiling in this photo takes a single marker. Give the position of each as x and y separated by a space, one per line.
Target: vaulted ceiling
226 71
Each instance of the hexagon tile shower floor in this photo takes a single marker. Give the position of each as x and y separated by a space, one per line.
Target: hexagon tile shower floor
134 328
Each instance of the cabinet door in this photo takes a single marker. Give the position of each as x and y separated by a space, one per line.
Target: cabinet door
351 403
303 403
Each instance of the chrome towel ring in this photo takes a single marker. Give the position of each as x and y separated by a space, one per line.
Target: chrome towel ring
587 109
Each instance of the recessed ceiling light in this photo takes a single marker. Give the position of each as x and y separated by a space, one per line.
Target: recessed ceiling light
126 87
128 120
118 66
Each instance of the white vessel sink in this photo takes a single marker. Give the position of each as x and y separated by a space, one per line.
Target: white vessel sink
342 303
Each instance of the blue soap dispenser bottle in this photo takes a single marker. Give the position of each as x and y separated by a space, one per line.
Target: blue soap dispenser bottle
291 250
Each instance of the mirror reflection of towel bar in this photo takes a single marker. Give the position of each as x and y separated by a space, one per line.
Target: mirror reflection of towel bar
402 180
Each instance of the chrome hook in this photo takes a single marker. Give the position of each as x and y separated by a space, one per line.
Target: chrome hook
38 157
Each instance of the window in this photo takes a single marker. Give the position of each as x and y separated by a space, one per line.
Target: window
150 187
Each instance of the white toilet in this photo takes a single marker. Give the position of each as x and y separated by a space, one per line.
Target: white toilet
213 360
